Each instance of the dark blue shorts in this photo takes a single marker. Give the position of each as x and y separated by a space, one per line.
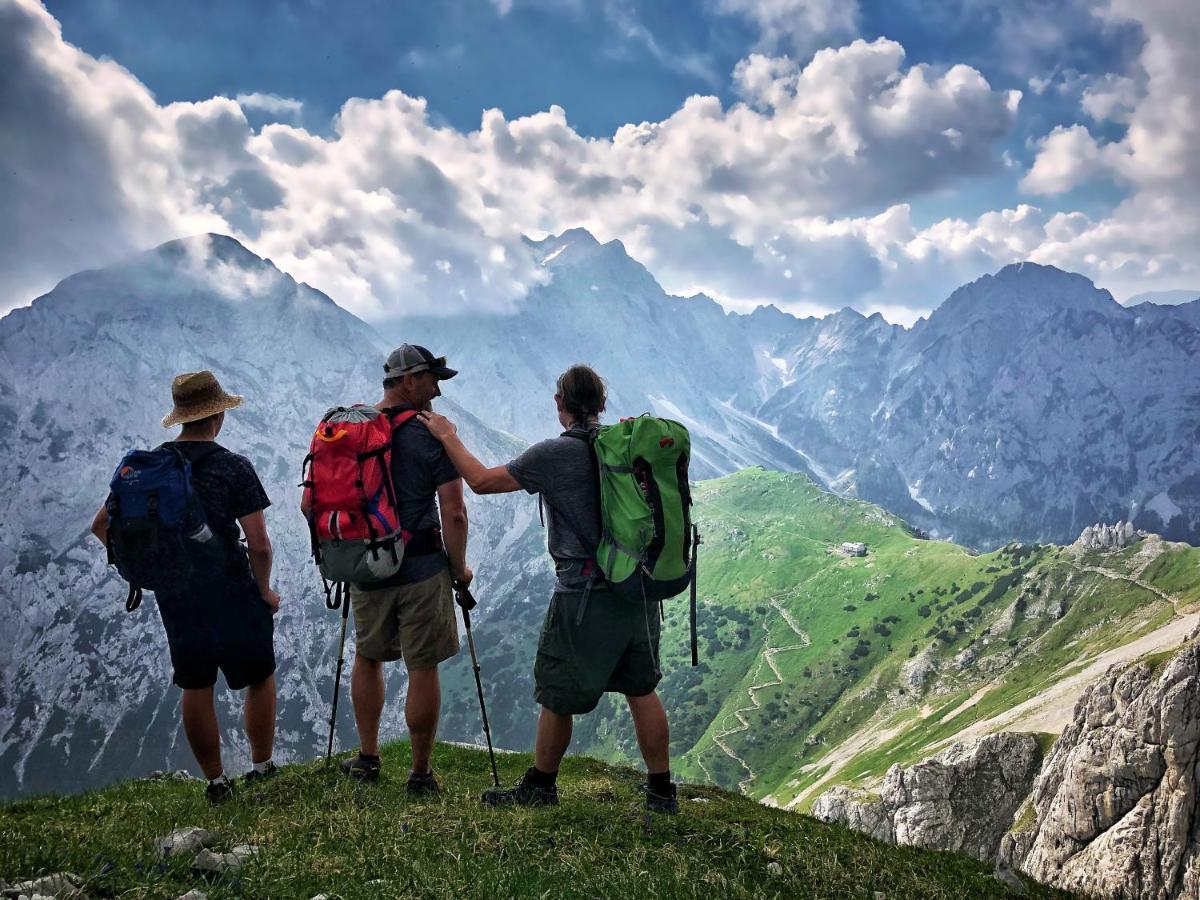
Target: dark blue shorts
218 625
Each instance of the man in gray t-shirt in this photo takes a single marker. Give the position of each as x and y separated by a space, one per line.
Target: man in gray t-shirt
592 641
562 471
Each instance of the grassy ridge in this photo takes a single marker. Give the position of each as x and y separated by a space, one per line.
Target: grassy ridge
320 833
1016 621
1013 622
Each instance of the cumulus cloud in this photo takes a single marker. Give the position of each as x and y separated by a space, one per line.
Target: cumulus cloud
272 104
798 193
1067 157
796 26
1111 98
1149 240
394 212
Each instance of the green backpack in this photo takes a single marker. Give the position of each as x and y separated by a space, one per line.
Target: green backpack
648 540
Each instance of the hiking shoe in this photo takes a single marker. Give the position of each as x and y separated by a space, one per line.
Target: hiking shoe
361 769
667 804
425 785
523 793
255 776
219 792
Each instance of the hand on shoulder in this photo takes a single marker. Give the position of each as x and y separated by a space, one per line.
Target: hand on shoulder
439 426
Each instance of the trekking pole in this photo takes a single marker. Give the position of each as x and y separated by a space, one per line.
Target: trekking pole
692 605
466 603
340 598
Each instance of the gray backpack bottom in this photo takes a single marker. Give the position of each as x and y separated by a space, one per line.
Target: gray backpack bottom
363 561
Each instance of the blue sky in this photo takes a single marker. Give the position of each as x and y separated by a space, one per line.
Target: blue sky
965 135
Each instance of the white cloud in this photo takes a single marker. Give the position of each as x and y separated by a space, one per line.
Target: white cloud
796 26
393 212
1111 98
1067 157
796 194
1149 240
272 103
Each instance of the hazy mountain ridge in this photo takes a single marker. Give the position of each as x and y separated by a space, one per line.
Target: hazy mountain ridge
1028 405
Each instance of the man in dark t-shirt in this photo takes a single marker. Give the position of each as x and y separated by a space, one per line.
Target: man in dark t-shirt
592 641
220 620
410 616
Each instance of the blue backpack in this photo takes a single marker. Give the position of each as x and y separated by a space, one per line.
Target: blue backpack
158 534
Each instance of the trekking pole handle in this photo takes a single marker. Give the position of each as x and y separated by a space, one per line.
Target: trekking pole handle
464 598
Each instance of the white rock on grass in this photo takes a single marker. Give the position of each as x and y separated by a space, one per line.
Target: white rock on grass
209 863
184 840
193 895
177 775
59 885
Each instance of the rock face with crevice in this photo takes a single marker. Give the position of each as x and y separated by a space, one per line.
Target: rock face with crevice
1114 812
963 799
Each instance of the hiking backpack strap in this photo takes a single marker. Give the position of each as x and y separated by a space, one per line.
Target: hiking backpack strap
590 566
399 418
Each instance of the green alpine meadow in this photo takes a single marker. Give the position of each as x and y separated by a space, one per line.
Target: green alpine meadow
818 667
317 833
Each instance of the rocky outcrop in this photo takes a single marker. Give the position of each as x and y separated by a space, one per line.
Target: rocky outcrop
1109 537
1114 812
963 799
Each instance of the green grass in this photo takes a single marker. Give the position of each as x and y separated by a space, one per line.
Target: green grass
320 833
1029 614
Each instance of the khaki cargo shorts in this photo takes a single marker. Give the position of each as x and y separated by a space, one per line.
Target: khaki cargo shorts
414 622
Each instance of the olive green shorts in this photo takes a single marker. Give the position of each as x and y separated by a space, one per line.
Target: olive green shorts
614 648
414 622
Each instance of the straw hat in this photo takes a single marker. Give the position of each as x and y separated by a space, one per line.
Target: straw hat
198 395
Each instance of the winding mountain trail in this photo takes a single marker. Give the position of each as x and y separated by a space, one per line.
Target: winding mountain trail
768 655
1144 585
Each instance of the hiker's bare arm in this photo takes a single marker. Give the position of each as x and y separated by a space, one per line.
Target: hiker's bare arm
258 543
100 525
454 529
478 477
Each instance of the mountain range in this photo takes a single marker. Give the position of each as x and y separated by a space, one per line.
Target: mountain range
1030 403
1027 406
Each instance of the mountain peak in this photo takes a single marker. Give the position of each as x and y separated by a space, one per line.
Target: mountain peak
1030 290
206 248
574 244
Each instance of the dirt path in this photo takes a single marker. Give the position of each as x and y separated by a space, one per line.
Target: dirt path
768 655
1144 585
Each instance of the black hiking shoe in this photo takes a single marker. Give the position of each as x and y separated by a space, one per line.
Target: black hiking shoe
523 793
217 793
425 785
665 804
362 769
254 776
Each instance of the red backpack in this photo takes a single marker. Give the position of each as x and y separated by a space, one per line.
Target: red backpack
349 498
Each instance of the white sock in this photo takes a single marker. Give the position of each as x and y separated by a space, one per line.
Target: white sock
263 767
220 779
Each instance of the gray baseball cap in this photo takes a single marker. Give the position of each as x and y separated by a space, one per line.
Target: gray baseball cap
412 359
